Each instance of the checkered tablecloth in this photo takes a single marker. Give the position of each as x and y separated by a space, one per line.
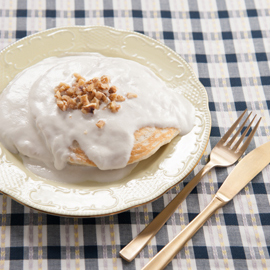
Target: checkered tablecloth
227 43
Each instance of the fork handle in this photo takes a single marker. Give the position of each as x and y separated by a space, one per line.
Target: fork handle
131 250
164 257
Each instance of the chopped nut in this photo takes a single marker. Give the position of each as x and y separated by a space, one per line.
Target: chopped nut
104 86
63 84
105 79
96 101
92 94
112 96
77 76
84 100
64 97
70 91
104 99
89 82
62 87
89 108
112 89
120 98
100 124
85 132
114 107
90 87
131 95
62 105
58 95
101 96
79 103
98 85
81 81
79 92
72 104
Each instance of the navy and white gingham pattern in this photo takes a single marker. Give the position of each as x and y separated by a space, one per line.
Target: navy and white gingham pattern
227 43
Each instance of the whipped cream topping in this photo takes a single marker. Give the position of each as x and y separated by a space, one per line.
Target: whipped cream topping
32 124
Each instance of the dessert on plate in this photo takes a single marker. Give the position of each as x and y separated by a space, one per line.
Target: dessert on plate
87 110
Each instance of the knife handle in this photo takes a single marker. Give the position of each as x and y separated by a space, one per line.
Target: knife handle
164 257
131 250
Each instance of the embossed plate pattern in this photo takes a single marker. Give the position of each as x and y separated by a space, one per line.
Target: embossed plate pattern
152 177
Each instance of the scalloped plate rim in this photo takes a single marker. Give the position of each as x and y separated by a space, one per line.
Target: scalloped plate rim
139 202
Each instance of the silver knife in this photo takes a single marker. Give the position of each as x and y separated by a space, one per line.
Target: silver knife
241 175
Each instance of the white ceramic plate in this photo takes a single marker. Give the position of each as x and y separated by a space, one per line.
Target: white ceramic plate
152 177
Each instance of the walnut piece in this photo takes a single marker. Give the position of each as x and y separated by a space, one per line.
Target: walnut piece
84 100
131 95
89 108
112 96
112 89
120 98
100 124
62 105
114 107
105 79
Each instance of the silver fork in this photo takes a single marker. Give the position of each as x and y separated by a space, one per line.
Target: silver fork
225 153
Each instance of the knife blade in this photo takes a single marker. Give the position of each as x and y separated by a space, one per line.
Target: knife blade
242 174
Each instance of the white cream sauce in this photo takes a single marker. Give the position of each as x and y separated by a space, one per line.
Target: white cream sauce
33 125
75 173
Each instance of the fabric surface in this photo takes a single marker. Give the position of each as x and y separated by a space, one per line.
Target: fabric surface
227 43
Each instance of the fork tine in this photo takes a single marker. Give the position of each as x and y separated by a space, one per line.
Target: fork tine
250 136
238 131
244 134
232 128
